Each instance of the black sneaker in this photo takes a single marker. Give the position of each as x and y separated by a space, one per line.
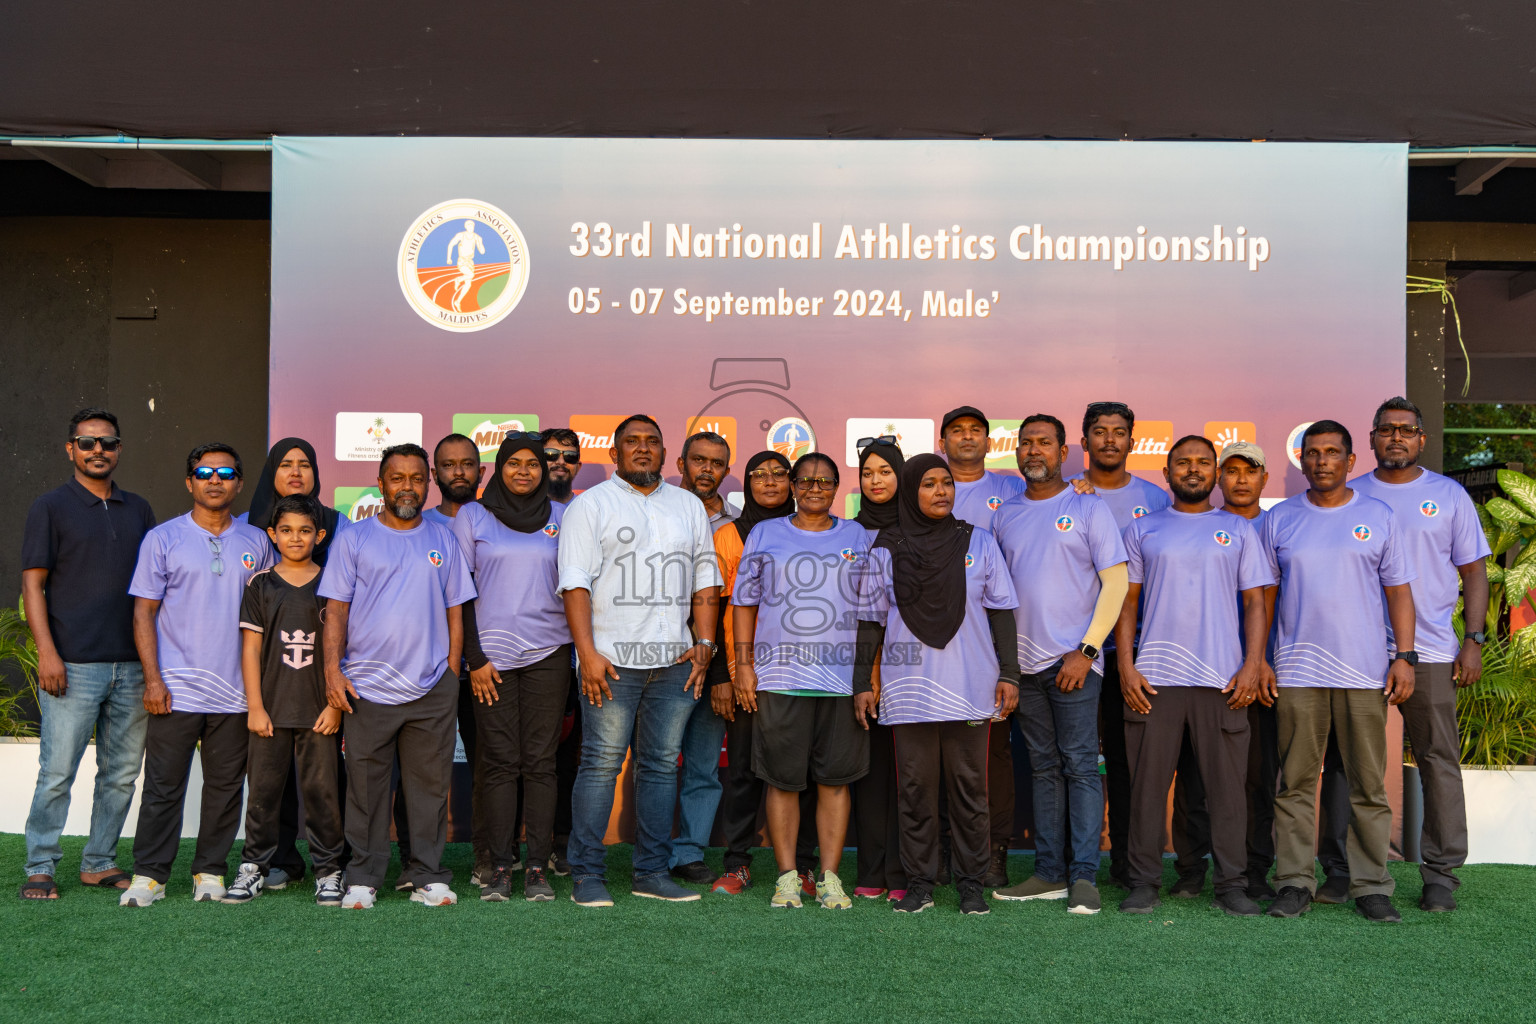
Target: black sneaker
918 899
558 865
1437 899
1334 890
1142 900
536 888
1188 886
695 873
1260 889
1238 903
971 899
497 888
997 871
1292 902
1377 907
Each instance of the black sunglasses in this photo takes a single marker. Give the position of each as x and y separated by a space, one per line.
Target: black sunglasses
561 455
225 473
523 435
865 442
88 442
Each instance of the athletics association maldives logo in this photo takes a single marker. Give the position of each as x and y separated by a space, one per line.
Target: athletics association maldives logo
1429 508
1361 533
435 557
791 437
1223 538
551 530
994 503
1139 511
248 560
970 560
1064 524
463 265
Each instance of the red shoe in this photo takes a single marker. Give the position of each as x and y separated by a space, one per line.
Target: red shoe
896 895
869 892
808 882
734 881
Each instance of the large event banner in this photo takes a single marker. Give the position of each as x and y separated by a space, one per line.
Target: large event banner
802 294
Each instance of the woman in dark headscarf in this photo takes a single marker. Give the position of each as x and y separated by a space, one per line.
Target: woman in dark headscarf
291 469
874 796
939 598
518 646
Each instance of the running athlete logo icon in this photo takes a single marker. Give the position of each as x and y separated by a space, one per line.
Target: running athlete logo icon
1139 511
551 530
435 557
463 265
791 437
1064 524
301 647
1429 508
848 555
248 560
970 560
1362 532
1223 538
994 502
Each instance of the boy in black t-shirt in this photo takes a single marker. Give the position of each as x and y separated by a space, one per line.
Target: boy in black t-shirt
287 715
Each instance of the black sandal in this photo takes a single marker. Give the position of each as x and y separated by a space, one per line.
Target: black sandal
109 881
48 890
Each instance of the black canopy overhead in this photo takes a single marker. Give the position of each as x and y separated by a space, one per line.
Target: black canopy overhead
1431 72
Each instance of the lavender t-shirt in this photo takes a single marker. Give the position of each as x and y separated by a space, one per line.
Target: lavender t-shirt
1332 564
805 586
1056 549
957 683
1440 531
400 584
977 500
520 616
198 628
1136 499
1189 566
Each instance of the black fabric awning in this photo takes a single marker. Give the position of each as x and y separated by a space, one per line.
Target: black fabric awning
1431 72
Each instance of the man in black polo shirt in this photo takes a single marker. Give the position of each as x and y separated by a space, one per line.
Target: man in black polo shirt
77 558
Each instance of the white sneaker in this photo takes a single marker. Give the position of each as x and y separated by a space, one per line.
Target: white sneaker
435 895
358 897
208 888
141 892
248 885
328 890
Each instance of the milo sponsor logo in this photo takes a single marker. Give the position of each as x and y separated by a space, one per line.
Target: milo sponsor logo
488 430
357 503
1003 443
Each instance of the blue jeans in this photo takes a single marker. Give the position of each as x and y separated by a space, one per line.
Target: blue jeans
106 698
699 796
1061 731
651 705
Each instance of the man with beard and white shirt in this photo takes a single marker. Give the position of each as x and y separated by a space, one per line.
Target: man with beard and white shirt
1445 546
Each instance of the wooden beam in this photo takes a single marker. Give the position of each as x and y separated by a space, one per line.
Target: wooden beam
1471 174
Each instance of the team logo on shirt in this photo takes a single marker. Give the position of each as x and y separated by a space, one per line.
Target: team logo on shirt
248 560
1429 508
1139 511
300 647
463 265
1223 538
551 530
1361 532
994 502
435 557
848 555
1064 523
970 560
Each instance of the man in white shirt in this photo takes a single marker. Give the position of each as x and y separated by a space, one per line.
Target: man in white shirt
637 559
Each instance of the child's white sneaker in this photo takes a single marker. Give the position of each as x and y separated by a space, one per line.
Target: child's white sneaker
141 892
436 894
358 897
248 885
207 888
328 890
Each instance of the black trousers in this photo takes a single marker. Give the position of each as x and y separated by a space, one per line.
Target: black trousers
1263 784
1333 813
741 796
169 744
517 739
877 827
1191 819
421 732
1000 795
271 762
951 755
1117 768
567 761
1219 737
469 732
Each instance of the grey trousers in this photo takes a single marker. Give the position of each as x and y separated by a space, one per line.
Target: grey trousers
1429 719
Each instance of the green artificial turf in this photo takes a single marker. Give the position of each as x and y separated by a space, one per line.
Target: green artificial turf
729 959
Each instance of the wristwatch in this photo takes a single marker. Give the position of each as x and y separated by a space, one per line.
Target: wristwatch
1088 651
1478 638
1411 657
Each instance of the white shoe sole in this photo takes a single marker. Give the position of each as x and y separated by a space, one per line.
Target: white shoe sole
1054 894
207 897
136 902
919 910
591 903
690 898
1085 911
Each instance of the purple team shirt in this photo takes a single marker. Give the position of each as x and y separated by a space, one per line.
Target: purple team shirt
977 500
1056 549
1189 566
1440 531
400 584
1136 499
1332 564
805 586
520 615
198 628
957 683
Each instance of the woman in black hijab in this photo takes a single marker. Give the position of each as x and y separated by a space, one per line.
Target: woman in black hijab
939 594
291 469
518 646
880 466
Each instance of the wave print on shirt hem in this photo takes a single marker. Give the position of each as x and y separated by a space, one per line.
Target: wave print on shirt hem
1167 662
897 699
1034 658
1302 664
798 676
375 676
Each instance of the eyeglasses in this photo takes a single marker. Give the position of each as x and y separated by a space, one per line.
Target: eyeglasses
88 442
523 435
225 473
816 483
1408 431
865 442
776 473
217 565
561 455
